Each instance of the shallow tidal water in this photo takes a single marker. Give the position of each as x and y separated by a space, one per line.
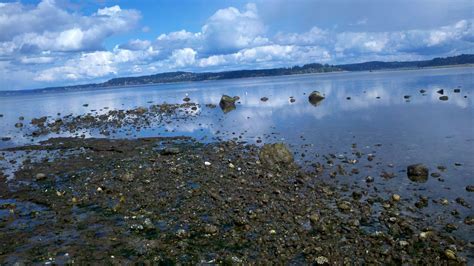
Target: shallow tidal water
377 119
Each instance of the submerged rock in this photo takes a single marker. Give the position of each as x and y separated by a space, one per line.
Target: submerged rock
443 98
315 98
227 103
264 99
275 154
440 91
417 173
457 90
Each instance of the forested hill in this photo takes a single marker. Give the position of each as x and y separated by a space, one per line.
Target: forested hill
436 62
309 68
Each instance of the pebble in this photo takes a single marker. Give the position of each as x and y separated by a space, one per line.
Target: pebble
396 197
207 163
40 176
314 218
369 179
322 260
210 229
344 206
450 254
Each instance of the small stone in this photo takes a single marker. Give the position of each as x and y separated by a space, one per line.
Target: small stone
18 125
396 197
443 98
99 189
407 96
440 91
422 91
210 229
450 254
369 179
344 206
264 99
417 173
457 90
322 260
435 174
40 176
170 151
207 163
470 188
231 165
186 99
469 220
403 243
314 218
463 202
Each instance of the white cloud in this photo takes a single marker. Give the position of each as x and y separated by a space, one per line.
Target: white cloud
183 57
26 29
230 30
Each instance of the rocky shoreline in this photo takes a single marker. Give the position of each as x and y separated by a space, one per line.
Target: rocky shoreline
176 200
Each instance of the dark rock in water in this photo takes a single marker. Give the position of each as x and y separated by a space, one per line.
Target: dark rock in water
38 121
315 98
170 151
435 175
1 115
227 103
186 99
210 105
6 138
292 100
85 105
469 220
457 90
275 154
443 98
463 202
369 179
18 125
417 173
21 118
264 99
422 202
407 96
348 98
422 91
470 188
440 91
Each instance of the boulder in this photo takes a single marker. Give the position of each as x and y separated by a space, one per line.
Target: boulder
227 103
440 91
315 98
275 154
264 99
417 173
443 98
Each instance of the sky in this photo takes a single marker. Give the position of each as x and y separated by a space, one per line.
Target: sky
65 42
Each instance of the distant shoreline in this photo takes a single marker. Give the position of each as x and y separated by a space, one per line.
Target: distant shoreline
310 69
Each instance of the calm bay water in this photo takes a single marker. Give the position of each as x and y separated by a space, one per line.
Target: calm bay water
398 132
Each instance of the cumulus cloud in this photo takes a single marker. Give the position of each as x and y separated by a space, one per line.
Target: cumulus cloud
26 29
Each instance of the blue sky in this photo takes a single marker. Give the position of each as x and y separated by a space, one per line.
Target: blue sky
52 43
